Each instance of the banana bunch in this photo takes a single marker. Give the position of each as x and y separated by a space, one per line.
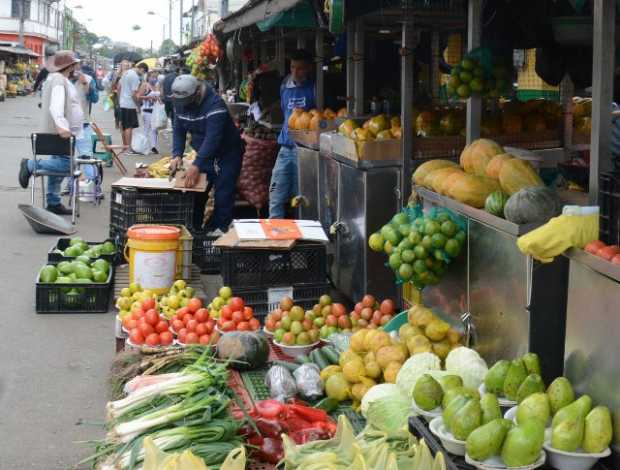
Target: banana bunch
160 169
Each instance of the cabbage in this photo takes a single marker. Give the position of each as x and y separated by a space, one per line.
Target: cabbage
389 413
413 368
468 364
377 392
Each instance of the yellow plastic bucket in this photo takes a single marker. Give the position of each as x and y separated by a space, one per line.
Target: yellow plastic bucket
151 251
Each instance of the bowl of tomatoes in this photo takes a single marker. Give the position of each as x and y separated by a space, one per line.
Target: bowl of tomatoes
194 326
236 316
145 326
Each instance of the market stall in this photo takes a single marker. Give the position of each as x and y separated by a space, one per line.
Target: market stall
17 70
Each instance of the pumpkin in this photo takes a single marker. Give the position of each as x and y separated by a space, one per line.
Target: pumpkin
495 165
516 174
449 181
248 350
434 178
473 189
532 205
427 167
495 203
477 155
292 120
303 121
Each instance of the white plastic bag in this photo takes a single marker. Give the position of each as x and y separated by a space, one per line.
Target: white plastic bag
139 142
159 119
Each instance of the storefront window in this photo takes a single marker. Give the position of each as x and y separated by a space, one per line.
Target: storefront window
15 8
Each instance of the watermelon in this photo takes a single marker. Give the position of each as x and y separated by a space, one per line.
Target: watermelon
495 202
247 350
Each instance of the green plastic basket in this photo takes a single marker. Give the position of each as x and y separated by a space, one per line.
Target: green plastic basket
395 323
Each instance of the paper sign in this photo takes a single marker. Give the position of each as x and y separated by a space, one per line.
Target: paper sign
279 229
276 294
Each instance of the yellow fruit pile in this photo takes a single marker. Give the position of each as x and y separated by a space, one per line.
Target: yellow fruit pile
160 168
310 120
376 128
426 332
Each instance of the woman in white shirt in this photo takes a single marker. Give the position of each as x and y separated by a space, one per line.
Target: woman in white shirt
149 95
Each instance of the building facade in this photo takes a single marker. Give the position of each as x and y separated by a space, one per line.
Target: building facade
43 23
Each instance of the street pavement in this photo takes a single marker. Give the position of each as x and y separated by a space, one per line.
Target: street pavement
53 368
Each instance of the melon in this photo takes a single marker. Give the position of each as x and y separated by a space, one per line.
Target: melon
477 155
516 174
495 165
532 205
245 349
473 189
427 167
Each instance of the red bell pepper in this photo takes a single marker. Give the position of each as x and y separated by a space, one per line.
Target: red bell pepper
309 414
270 409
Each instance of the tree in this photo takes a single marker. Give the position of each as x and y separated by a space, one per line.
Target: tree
167 47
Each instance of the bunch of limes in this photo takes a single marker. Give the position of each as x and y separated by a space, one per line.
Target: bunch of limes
469 77
419 249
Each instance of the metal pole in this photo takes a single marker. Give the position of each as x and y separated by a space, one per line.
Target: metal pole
602 92
223 8
22 5
358 66
163 34
435 73
170 19
191 26
281 52
474 104
567 90
406 83
301 40
180 22
320 92
350 67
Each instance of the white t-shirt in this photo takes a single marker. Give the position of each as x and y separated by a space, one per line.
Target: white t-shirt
130 82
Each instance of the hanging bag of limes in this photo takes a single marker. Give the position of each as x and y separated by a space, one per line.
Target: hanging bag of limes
420 246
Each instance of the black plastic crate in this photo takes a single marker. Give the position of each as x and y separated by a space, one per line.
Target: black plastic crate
90 298
131 206
63 243
305 263
258 299
206 256
609 202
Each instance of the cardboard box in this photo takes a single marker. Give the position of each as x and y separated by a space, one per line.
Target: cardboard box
372 150
311 139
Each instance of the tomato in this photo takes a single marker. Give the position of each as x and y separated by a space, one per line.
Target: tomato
165 338
237 316
376 317
191 325
173 318
177 325
358 307
339 310
161 326
182 311
228 326
152 317
608 252
152 339
226 312
183 335
594 246
146 329
236 303
387 307
243 326
270 324
220 322
187 317
136 337
254 324
192 338
136 314
201 315
210 325
194 304
368 301
148 304
201 329
126 321
248 313
205 339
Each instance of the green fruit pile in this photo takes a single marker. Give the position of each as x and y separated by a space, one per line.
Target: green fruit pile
79 248
517 379
419 247
76 272
469 77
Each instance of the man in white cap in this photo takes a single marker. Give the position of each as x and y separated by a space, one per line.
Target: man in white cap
62 115
202 113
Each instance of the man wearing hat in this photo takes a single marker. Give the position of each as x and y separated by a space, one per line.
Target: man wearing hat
202 113
62 115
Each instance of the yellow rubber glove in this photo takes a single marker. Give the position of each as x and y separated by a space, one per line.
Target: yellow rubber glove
559 234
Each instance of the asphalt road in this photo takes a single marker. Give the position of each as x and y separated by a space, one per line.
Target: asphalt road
53 368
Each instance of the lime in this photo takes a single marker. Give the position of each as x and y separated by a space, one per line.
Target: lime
465 77
405 244
468 64
438 254
101 265
414 237
405 271
439 240
452 248
463 91
376 242
454 82
400 219
448 228
388 248
108 248
408 256
394 261
442 217
460 236
405 230
82 272
48 274
390 235
431 227
83 259
76 241
99 276
427 242
420 252
476 85
65 267
64 280
419 222
420 266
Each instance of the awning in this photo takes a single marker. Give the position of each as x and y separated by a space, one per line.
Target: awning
300 16
253 12
19 50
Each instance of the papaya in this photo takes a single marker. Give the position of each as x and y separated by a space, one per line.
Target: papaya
434 179
427 167
477 155
473 190
446 183
495 165
516 174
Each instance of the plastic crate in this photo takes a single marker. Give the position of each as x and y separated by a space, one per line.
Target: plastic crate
206 256
91 298
63 243
305 263
264 301
131 206
609 202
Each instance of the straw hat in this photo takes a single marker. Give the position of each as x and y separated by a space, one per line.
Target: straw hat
61 60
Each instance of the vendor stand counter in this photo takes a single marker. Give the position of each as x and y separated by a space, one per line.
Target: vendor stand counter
514 304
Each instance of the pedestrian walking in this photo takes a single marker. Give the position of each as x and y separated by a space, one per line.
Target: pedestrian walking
129 102
62 115
149 95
